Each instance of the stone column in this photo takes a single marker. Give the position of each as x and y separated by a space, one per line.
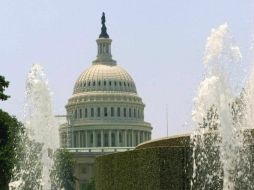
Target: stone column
109 139
72 138
86 136
102 138
132 138
125 138
94 138
138 137
78 139
117 138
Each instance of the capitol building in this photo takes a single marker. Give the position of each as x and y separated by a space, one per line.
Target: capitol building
104 114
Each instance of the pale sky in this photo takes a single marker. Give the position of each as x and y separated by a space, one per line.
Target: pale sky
160 43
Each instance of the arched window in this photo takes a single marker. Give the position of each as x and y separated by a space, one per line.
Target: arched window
109 83
115 83
89 83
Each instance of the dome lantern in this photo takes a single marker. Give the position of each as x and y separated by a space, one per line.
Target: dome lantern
104 46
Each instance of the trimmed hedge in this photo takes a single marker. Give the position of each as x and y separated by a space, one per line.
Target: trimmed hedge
183 140
145 169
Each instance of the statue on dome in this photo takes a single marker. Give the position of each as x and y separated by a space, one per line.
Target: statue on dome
103 28
103 19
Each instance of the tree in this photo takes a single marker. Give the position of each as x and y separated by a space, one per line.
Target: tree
3 84
62 173
11 131
10 138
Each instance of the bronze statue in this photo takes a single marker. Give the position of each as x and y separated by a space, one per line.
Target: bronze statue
103 20
103 28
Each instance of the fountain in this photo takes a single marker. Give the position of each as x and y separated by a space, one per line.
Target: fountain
223 118
41 137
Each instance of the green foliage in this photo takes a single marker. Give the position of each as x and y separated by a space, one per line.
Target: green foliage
3 84
150 169
62 173
10 140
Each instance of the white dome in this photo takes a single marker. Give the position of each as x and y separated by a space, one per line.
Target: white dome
103 77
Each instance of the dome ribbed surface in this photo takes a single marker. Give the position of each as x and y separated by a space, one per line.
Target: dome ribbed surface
102 77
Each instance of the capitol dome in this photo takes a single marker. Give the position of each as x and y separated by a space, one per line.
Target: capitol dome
104 77
105 109
105 114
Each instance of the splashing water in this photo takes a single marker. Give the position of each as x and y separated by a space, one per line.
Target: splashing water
221 155
42 132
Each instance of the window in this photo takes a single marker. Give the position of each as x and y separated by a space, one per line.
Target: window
120 138
124 112
105 83
89 83
91 138
113 139
129 112
80 113
93 83
134 112
85 112
76 114
84 84
118 112
92 112
141 136
112 112
115 83
99 83
120 83
98 139
105 139
109 83
105 112
124 84
98 112
75 139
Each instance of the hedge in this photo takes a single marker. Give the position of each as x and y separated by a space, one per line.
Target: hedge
145 169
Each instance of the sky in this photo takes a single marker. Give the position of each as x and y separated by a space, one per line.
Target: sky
160 43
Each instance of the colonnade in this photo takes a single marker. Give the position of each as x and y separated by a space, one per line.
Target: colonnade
105 138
